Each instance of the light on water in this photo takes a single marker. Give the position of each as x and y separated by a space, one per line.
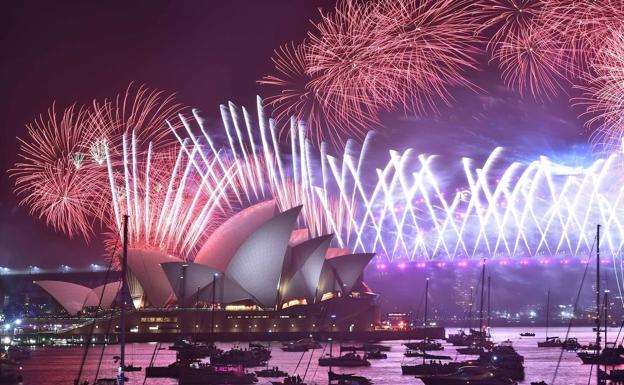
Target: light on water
59 365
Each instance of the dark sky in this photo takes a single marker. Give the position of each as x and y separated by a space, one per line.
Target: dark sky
209 52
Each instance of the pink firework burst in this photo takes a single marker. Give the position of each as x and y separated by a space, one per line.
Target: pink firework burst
533 61
603 95
296 96
583 24
369 57
504 18
54 177
62 175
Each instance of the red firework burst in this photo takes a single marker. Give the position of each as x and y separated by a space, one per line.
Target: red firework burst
54 178
604 95
297 97
369 57
583 24
533 61
62 175
504 18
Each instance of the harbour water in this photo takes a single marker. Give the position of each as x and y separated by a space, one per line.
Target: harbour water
60 365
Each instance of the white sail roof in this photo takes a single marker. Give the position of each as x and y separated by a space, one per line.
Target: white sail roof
70 296
221 246
303 272
257 265
145 266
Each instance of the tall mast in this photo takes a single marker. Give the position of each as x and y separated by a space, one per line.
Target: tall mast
598 288
606 314
470 308
426 300
482 296
489 318
122 316
212 307
547 311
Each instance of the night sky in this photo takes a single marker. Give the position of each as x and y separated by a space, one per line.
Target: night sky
209 52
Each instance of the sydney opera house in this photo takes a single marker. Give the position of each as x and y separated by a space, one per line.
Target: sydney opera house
257 272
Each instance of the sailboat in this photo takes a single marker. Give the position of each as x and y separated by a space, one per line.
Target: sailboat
550 342
608 355
425 344
478 340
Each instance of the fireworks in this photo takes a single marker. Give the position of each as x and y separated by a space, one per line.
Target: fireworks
371 57
604 95
533 61
61 176
300 98
175 197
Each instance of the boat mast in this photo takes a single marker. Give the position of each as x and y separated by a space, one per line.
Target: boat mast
597 288
606 314
122 316
547 311
482 297
489 318
426 306
426 302
470 308
212 308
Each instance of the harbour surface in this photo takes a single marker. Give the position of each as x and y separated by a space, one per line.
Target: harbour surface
60 365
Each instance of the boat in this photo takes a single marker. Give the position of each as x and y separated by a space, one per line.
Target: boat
473 350
190 349
347 360
550 342
291 380
209 374
571 344
504 359
272 372
473 375
425 345
610 355
425 355
132 368
375 347
365 348
607 356
18 353
432 367
376 355
169 371
615 375
10 374
302 345
350 379
527 334
246 357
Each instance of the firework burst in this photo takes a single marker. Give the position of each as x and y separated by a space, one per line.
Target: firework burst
61 175
533 61
299 96
370 57
604 96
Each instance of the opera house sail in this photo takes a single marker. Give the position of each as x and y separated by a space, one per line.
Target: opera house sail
257 272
